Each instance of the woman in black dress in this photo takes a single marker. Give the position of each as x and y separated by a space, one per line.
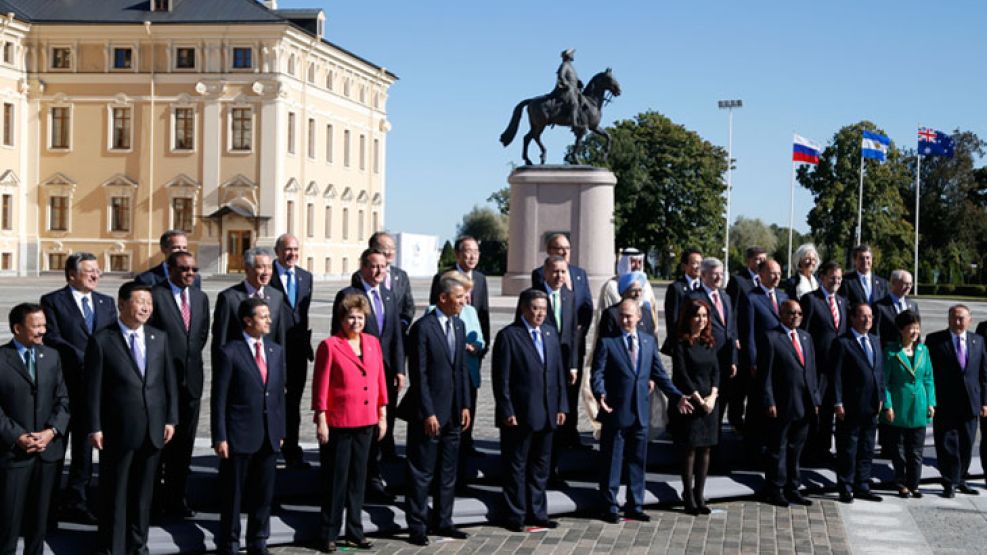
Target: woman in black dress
696 372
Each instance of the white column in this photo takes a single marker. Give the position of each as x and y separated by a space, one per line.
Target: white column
212 136
272 148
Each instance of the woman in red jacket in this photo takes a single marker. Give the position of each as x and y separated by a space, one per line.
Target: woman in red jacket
350 401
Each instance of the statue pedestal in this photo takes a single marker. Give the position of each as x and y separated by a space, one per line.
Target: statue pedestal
576 200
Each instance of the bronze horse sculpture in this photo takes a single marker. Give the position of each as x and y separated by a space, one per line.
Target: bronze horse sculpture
548 109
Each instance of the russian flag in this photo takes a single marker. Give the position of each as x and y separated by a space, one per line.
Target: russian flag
805 151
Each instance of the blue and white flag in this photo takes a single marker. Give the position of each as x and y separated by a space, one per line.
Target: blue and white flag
874 146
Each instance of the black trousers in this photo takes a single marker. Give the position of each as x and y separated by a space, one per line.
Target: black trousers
527 454
821 428
81 466
954 447
176 457
25 496
249 478
126 484
296 362
344 468
432 463
567 435
855 452
906 446
784 441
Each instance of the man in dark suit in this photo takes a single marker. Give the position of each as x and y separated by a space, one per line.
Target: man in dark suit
746 279
397 280
858 363
436 411
248 427
861 285
624 373
887 308
787 375
691 263
34 415
226 326
824 316
181 310
557 244
528 380
296 285
73 314
724 326
171 241
132 412
959 366
384 324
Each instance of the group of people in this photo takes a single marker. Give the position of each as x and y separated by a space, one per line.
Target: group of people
783 363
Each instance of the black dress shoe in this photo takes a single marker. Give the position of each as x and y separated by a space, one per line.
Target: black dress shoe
777 499
704 510
867 496
846 497
358 544
963 488
798 499
418 539
453 532
545 523
180 509
329 547
903 492
948 493
916 494
78 514
514 527
638 516
612 518
379 496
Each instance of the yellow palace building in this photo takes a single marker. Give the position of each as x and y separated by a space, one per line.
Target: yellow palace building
233 120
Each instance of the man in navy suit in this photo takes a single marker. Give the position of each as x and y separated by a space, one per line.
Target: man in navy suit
746 278
858 375
248 427
132 411
787 376
73 314
861 285
959 366
691 263
436 409
295 284
557 244
34 415
724 326
171 241
824 316
887 308
528 380
226 326
397 279
624 373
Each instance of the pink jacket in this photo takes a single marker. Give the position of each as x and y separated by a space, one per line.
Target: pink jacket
347 389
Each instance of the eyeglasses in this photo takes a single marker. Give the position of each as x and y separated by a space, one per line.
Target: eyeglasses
187 268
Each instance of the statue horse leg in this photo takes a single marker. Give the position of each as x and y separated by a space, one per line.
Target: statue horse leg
573 156
606 137
533 133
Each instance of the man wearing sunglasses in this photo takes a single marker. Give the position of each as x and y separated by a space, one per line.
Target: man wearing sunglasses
182 310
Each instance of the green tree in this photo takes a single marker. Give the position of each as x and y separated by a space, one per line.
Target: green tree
669 193
834 184
447 258
749 232
501 198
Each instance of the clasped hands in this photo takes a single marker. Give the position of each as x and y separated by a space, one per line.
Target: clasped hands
35 442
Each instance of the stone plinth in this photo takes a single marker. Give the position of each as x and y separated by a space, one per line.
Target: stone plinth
577 200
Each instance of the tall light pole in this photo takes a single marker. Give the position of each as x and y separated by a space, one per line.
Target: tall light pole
729 105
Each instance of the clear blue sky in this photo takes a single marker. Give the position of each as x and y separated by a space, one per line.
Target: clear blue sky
809 68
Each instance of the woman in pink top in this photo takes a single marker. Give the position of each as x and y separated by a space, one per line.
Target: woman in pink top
350 401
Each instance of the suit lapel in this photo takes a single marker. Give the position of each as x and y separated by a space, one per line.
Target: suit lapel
69 306
125 351
347 351
250 363
15 361
528 343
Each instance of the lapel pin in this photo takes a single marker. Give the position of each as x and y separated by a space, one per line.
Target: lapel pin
152 336
41 355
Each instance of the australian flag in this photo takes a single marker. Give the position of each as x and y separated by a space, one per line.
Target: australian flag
934 143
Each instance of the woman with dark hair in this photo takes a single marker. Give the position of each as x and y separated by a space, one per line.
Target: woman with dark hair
910 401
696 372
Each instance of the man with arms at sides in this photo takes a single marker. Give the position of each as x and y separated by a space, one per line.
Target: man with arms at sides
625 371
396 280
787 376
248 428
888 307
746 278
436 411
858 370
959 367
295 284
226 325
691 262
384 324
861 285
34 414
72 314
824 316
173 240
528 380
181 310
132 412
557 244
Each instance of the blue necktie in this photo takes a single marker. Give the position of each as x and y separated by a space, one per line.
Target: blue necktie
292 294
32 369
536 337
865 343
87 313
136 353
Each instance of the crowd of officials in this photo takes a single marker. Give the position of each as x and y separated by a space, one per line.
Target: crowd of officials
790 365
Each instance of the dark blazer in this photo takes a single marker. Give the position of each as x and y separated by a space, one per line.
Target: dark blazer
959 393
785 382
401 286
580 287
884 315
185 347
817 319
523 386
853 290
157 275
127 408
739 286
243 408
391 339
627 391
27 407
609 325
438 383
674 294
298 335
755 316
982 329
859 386
570 335
479 296
67 331
724 333
226 326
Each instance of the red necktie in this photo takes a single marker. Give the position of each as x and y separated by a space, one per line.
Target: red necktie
834 311
718 305
261 363
186 311
774 301
798 347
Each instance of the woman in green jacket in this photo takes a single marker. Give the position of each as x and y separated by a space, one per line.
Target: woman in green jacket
910 401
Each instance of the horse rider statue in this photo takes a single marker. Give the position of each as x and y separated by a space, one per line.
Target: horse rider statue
568 86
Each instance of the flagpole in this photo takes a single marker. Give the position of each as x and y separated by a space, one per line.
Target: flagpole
791 218
860 197
918 185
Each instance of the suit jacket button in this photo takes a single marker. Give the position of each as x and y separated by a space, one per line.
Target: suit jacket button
364 388
366 402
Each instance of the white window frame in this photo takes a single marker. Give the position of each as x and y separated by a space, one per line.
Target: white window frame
310 138
134 63
174 135
50 128
120 186
253 58
229 129
13 124
109 127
